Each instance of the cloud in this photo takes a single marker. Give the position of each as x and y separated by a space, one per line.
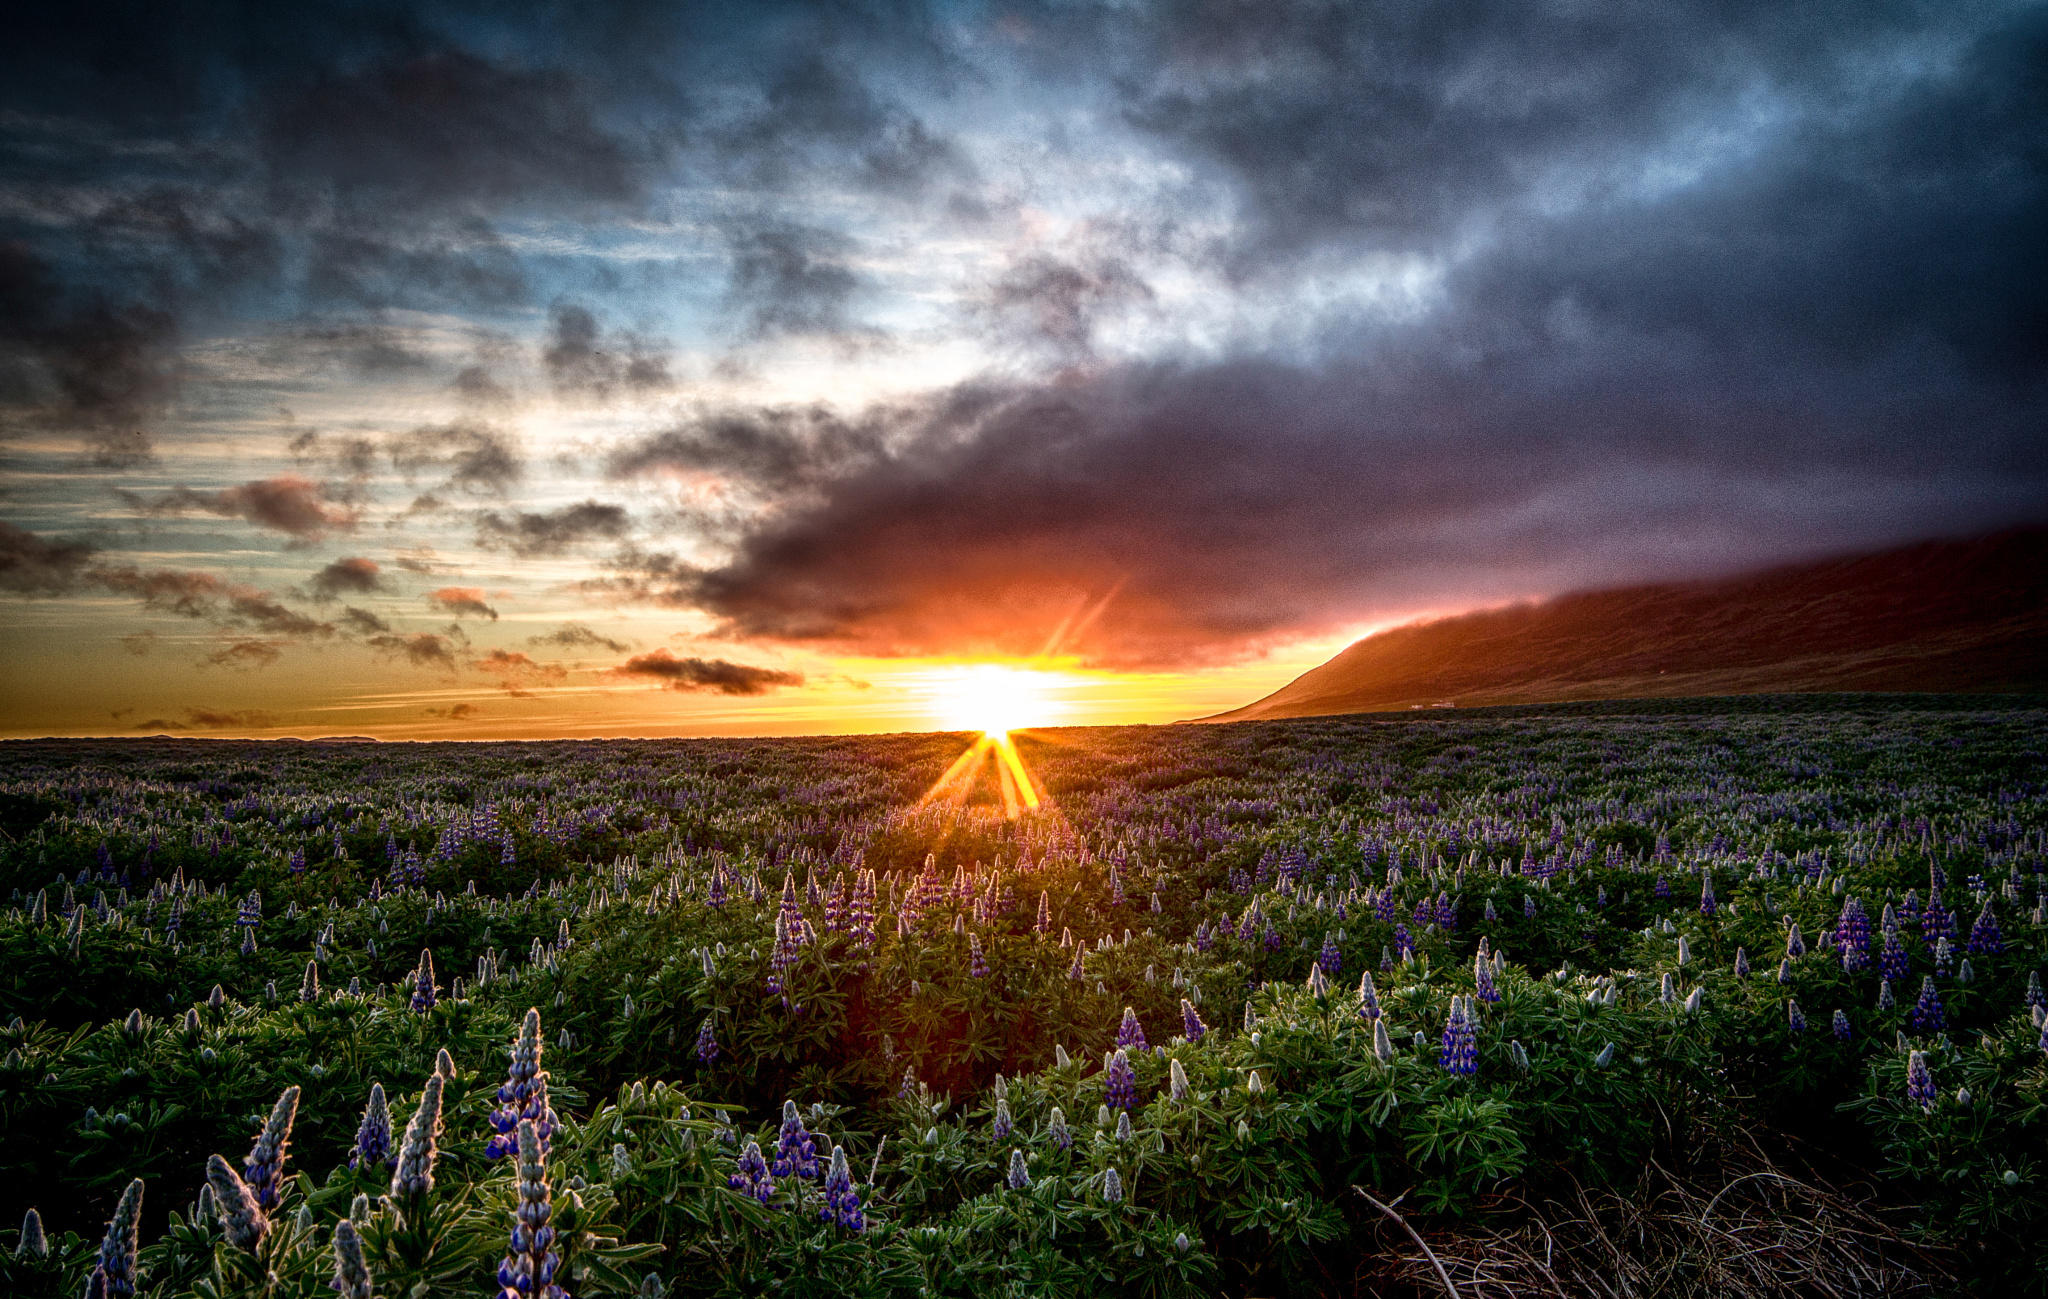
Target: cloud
517 673
575 635
453 712
577 359
1043 300
140 643
287 503
422 649
245 654
204 596
462 600
717 676
481 459
790 278
31 565
773 450
352 576
214 719
550 532
362 622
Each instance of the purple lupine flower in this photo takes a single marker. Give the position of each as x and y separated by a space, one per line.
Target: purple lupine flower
1841 1026
753 1178
1944 956
1000 1129
1482 979
1404 942
1529 906
523 1096
1741 963
2035 998
1795 943
707 1043
842 1201
1891 959
240 1215
1662 889
1130 1035
977 964
352 1278
1852 934
1795 1018
1193 1029
1330 959
1120 1085
1112 1187
1460 1054
909 1089
796 1150
1020 1176
1985 937
1927 1015
1936 922
1056 1129
1707 904
423 991
412 1178
373 1134
528 1269
1368 997
261 1170
116 1258
1920 1089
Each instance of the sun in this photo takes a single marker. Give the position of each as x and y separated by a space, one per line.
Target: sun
992 698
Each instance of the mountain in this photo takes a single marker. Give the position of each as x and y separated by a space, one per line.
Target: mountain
1968 616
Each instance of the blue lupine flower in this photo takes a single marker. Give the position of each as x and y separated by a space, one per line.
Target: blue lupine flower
1112 1187
1330 960
1130 1035
1920 1089
1404 943
413 1176
1852 934
1795 943
1985 937
528 1269
1000 1130
1193 1029
1020 1176
240 1215
1841 1025
1368 998
842 1202
523 1096
1529 906
373 1134
1927 1015
1460 1051
1795 1018
1056 1128
1482 979
266 1161
1741 963
707 1043
1891 959
1121 1083
117 1250
1662 889
352 1278
977 964
1707 904
423 991
753 1177
796 1150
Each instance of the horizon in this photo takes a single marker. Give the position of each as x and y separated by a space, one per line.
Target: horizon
417 373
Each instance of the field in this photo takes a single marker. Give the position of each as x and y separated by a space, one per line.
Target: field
1673 998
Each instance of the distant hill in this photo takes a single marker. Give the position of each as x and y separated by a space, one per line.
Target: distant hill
1956 616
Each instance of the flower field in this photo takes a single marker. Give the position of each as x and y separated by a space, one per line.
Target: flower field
1337 1006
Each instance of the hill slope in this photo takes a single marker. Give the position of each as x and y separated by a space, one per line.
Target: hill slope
1965 616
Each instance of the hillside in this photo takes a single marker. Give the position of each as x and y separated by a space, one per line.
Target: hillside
1964 616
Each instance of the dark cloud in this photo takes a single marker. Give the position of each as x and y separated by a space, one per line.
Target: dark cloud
575 635
140 643
776 450
480 459
789 278
453 712
461 601
1042 300
287 503
716 676
32 565
551 532
213 719
351 576
518 673
422 649
206 597
362 622
818 111
580 360
245 654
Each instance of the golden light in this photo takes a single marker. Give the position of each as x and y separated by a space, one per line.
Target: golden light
992 698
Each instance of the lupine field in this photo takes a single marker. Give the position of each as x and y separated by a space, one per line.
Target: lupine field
1479 1004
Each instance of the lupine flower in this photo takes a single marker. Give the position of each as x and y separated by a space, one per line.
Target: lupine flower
1891 958
1020 1176
1885 998
413 1177
523 1096
423 994
908 1090
1368 997
1177 1081
1130 1035
1785 970
117 1250
265 1163
1741 963
1519 1055
1529 906
1692 1000
1944 955
1795 944
32 1243
2035 998
1985 937
796 1151
1795 1018
240 1215
1112 1187
1001 1127
977 963
753 1177
1482 979
1460 1054
1404 943
1330 959
1123 1126
1927 1015
1318 983
707 1043
528 1270
1121 1085
1842 1030
1056 1128
1382 1045
842 1202
1193 1029
1605 1058
1707 904
352 1278
1920 1088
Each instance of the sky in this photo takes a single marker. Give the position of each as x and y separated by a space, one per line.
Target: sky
504 370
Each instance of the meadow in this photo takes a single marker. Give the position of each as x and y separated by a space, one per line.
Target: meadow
1707 998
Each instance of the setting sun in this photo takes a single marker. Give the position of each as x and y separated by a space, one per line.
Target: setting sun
993 698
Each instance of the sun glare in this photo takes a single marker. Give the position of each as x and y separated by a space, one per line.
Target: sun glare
993 699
